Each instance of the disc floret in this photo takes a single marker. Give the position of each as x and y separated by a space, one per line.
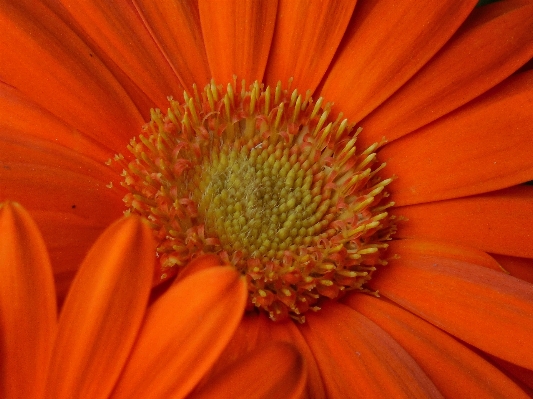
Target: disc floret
268 181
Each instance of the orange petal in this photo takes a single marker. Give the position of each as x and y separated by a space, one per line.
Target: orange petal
61 73
306 36
518 267
27 305
175 27
355 356
486 309
237 35
200 263
118 35
492 44
184 333
483 146
103 312
386 42
498 222
455 369
274 371
257 331
521 375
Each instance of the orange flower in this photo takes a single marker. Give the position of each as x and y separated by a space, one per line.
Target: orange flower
443 82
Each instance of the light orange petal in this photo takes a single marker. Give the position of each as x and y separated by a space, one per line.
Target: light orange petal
484 308
175 27
498 222
184 333
27 305
483 146
386 42
237 35
58 71
359 359
274 371
455 369
518 267
103 312
306 36
492 44
118 35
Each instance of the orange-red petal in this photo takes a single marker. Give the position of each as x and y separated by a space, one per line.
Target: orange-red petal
257 331
184 332
484 308
118 36
27 305
306 37
386 42
103 312
44 59
175 27
498 222
237 36
455 369
493 43
274 371
358 359
519 267
483 146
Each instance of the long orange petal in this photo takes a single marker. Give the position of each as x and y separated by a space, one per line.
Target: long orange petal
498 222
237 35
487 309
27 305
58 71
483 146
274 371
518 267
455 369
306 36
175 27
119 37
492 44
184 333
359 359
103 312
386 42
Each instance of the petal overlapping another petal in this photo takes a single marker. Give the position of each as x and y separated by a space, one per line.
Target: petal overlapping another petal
103 312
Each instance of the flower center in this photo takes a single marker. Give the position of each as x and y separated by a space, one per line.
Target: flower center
270 183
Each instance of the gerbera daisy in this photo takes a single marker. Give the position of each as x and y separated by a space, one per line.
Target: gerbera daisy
442 92
106 344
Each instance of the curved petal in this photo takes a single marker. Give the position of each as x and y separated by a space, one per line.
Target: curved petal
257 331
386 42
373 364
487 309
70 81
118 35
27 305
483 146
306 37
274 371
103 312
175 27
521 268
492 44
456 370
498 222
237 35
184 333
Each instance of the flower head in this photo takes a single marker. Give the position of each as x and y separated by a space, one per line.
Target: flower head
443 88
